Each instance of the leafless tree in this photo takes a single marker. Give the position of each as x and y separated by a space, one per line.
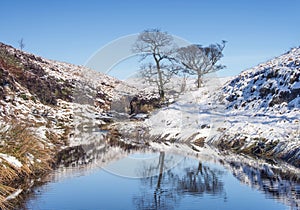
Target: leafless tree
156 49
21 44
198 60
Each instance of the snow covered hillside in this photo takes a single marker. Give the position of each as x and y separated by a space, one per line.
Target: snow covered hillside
271 86
263 110
46 106
256 113
53 96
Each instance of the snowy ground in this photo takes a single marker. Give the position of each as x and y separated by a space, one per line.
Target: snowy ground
201 115
191 116
257 112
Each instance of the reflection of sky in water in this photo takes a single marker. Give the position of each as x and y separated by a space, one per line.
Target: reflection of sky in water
137 165
188 184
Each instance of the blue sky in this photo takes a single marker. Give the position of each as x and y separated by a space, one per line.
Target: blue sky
72 31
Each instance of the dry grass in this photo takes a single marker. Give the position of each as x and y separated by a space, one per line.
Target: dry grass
18 141
5 190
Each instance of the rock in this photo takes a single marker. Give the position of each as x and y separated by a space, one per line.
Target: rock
144 104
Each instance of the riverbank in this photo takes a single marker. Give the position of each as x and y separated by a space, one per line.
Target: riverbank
157 130
256 113
24 161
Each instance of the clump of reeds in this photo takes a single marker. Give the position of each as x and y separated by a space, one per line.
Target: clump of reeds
19 141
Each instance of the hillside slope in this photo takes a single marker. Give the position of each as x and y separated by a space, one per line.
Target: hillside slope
271 86
32 78
263 110
46 106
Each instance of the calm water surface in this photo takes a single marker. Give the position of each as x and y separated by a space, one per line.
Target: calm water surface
162 180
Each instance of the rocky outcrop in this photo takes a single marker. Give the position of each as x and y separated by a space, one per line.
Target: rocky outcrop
144 104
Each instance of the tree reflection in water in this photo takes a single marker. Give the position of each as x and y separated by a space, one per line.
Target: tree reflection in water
189 177
200 181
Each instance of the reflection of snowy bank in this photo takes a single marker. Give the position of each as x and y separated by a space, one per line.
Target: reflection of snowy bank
281 182
81 160
277 181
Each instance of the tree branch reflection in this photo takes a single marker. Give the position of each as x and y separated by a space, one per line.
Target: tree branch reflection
189 177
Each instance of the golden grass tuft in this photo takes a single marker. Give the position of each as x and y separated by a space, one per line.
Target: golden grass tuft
19 141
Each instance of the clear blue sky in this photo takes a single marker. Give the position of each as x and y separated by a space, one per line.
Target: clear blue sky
72 31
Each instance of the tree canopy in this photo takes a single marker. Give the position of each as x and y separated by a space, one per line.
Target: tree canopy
162 59
157 49
199 60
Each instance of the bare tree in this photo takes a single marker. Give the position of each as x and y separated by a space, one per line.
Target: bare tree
159 47
21 43
198 60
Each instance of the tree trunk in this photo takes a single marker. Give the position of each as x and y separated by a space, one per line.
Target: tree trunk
183 84
162 95
161 90
161 86
199 80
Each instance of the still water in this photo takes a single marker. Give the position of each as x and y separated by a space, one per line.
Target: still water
163 180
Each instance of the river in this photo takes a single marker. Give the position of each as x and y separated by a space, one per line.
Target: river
168 177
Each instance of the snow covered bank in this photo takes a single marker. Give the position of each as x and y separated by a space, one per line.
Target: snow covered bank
263 110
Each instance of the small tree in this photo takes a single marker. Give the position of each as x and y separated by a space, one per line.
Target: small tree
198 60
159 47
21 44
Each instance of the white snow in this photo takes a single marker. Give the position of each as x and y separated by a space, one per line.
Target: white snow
41 132
296 85
11 160
13 195
236 110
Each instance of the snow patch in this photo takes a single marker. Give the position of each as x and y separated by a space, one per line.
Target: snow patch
11 160
14 195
